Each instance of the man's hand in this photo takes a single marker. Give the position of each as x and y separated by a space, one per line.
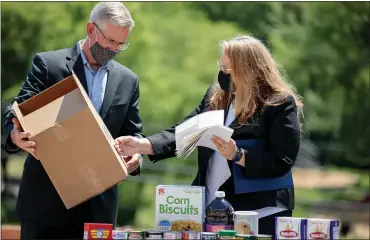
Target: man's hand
20 138
133 162
128 146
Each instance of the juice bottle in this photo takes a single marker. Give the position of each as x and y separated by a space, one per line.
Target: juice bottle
219 214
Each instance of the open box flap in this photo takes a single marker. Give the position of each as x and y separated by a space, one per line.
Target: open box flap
50 94
50 107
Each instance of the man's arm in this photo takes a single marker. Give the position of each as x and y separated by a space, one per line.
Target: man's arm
132 124
35 83
164 143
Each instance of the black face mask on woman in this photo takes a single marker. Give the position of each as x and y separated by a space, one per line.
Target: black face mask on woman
224 79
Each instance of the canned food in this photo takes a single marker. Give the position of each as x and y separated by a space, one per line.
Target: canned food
253 237
264 237
227 234
208 235
119 235
172 235
189 235
136 235
153 234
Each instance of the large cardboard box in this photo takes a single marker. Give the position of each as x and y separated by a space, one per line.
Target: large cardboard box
72 141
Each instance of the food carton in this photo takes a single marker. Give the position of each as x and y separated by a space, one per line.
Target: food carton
323 229
97 231
180 208
290 228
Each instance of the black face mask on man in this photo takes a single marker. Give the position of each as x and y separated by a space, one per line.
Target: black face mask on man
224 79
100 54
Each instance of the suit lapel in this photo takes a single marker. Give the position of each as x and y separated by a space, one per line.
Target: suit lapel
75 62
110 89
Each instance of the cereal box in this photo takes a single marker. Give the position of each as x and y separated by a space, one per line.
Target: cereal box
180 208
290 228
323 229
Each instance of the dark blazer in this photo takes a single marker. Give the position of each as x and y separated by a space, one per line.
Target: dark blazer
37 199
278 126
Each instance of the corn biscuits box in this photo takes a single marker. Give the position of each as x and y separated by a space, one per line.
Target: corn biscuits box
180 208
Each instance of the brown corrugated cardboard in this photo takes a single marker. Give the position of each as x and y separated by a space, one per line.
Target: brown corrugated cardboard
72 141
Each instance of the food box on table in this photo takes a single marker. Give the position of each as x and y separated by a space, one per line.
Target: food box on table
180 208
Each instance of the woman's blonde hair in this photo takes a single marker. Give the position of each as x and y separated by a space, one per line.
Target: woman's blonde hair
256 79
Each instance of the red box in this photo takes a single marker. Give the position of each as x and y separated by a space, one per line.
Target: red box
97 231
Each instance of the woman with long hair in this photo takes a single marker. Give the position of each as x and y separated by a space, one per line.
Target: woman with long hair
254 167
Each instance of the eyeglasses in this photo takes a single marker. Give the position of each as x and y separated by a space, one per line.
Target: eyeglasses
222 67
113 43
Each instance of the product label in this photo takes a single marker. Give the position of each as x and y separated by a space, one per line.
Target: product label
217 228
119 235
289 228
172 235
180 208
207 236
320 229
246 224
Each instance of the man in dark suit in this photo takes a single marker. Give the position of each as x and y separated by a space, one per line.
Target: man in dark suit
114 92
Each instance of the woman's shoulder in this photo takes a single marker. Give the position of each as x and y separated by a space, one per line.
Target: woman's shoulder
279 104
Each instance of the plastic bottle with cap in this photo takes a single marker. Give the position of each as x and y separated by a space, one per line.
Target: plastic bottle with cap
220 194
219 214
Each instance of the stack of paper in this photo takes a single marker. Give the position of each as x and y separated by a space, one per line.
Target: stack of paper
199 130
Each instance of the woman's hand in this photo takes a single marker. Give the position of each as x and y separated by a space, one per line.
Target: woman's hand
227 149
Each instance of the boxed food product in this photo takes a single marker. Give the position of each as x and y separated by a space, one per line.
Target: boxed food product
323 229
290 228
180 208
97 230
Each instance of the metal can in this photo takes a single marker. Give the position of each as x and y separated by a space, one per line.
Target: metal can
119 235
264 237
227 234
253 237
153 234
136 235
172 235
208 235
189 235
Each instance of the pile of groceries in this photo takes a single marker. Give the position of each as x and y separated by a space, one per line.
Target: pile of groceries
181 214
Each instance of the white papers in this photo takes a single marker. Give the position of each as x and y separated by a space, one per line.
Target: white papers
267 211
199 130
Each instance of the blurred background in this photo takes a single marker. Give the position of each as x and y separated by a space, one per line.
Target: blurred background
324 47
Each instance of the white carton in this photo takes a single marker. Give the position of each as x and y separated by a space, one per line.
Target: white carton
323 229
290 228
180 208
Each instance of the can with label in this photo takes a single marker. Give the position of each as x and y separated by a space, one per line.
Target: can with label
227 234
189 235
208 235
119 235
153 234
136 235
172 235
253 237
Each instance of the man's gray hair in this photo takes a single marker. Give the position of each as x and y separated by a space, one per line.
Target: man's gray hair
113 12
